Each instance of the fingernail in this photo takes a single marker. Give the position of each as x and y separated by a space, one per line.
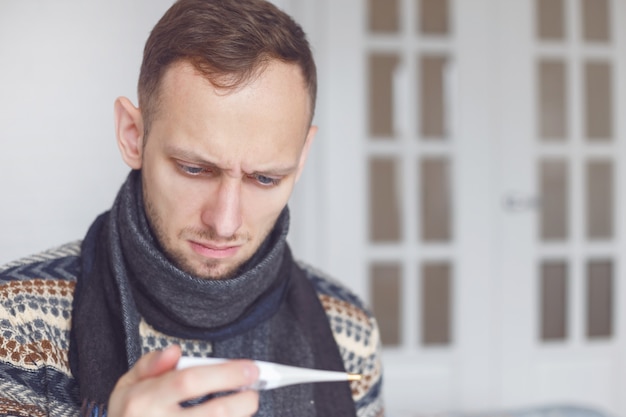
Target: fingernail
250 371
157 355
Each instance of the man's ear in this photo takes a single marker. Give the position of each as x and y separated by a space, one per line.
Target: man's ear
305 150
129 132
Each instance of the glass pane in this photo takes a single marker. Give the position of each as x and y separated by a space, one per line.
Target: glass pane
436 200
552 100
553 300
596 21
433 105
385 290
550 20
599 298
383 16
554 188
599 101
433 17
600 200
384 201
436 304
381 72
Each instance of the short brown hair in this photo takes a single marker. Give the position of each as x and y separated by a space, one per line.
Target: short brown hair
227 41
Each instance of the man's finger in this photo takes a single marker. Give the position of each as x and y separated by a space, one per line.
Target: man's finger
198 381
242 404
152 364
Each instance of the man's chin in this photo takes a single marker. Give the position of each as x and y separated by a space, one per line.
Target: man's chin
203 268
214 271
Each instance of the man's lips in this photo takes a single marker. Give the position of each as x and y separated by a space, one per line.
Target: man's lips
214 251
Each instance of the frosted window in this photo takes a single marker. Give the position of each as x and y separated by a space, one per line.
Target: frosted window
381 109
599 98
599 298
550 20
433 106
385 290
552 100
436 304
383 16
436 200
554 185
433 17
600 200
384 201
596 21
553 300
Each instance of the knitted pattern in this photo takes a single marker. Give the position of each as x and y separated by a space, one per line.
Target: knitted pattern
35 319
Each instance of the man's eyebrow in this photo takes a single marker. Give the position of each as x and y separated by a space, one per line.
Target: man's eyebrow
189 156
193 157
276 172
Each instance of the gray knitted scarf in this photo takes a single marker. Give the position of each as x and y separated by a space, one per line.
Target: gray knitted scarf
268 311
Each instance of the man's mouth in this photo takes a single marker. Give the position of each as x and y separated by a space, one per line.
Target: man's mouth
215 251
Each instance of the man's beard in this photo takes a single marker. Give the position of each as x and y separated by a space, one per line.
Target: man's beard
209 269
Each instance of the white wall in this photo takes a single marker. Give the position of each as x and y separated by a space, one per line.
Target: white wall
62 64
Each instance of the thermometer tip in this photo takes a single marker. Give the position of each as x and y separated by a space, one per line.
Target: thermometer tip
354 377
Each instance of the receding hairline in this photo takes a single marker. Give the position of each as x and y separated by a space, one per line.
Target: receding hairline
226 82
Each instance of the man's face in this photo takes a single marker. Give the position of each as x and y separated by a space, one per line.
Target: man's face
218 166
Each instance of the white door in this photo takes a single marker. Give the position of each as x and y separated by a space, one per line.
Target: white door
560 236
406 103
477 217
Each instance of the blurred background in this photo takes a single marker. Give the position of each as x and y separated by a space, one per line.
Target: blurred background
466 181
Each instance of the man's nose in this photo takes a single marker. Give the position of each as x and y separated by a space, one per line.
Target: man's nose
224 214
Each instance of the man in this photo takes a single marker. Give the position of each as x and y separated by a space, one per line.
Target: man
192 259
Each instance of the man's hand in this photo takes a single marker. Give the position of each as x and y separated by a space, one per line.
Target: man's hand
153 387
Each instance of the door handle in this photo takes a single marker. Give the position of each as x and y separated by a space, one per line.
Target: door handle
516 202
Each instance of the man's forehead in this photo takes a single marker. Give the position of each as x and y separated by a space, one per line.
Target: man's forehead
180 73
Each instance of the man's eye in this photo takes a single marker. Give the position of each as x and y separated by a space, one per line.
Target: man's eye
266 181
191 170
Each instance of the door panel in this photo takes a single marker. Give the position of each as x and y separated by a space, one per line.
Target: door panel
420 106
559 258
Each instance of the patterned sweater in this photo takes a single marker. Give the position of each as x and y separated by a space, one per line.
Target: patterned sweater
35 319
